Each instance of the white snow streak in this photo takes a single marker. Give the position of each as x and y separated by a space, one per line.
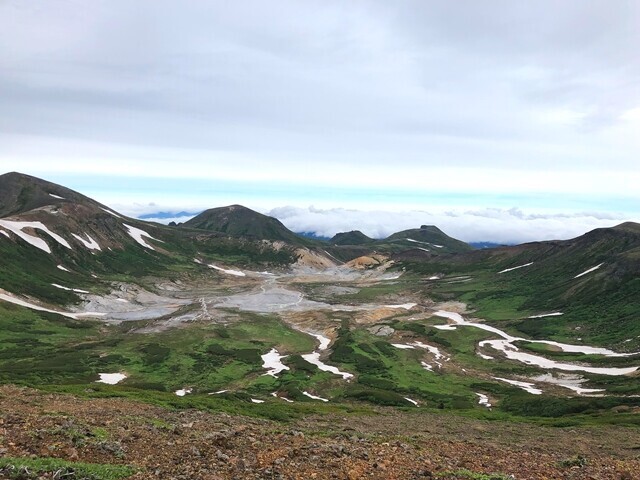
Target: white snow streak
588 271
23 303
91 244
77 290
515 268
111 378
314 358
527 387
483 400
16 228
314 396
110 212
554 314
272 361
236 273
137 235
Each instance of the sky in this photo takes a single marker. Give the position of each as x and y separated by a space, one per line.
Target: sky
495 120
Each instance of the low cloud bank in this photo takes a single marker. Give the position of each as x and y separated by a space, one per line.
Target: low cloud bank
491 224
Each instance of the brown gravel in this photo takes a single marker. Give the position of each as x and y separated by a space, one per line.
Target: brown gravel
392 444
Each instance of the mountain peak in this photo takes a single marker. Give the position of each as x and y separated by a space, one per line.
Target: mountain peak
354 237
240 221
20 193
628 227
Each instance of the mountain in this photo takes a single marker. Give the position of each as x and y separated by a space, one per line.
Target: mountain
239 221
52 237
232 311
593 280
428 237
354 237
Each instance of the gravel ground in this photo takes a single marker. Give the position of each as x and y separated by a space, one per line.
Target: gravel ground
388 445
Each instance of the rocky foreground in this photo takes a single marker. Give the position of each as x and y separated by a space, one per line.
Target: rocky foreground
391 444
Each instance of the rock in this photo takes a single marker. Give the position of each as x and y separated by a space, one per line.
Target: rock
221 456
381 330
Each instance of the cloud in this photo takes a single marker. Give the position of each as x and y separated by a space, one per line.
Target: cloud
495 225
495 97
167 220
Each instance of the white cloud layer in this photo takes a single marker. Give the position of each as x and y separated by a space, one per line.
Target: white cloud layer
495 225
459 97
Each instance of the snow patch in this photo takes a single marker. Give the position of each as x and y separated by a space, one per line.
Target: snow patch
527 387
16 228
111 378
506 346
314 358
218 392
77 290
554 314
62 268
183 391
22 303
445 327
255 400
137 235
483 400
110 212
5 233
314 397
91 244
272 361
412 401
515 268
236 273
402 346
275 394
56 196
589 270
572 382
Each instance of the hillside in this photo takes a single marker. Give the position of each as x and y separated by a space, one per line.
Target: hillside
93 302
428 237
117 438
239 221
56 243
354 237
593 280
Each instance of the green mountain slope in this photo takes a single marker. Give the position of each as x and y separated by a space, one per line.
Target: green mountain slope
593 280
354 237
239 221
428 237
50 235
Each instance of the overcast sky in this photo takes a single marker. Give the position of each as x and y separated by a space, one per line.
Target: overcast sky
500 120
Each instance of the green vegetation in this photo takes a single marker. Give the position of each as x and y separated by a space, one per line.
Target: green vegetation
26 468
468 474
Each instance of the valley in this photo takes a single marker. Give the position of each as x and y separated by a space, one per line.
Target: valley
100 309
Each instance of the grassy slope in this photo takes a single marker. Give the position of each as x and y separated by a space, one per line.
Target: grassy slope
600 307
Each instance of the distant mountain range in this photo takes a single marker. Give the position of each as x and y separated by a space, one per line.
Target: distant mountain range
241 286
46 228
